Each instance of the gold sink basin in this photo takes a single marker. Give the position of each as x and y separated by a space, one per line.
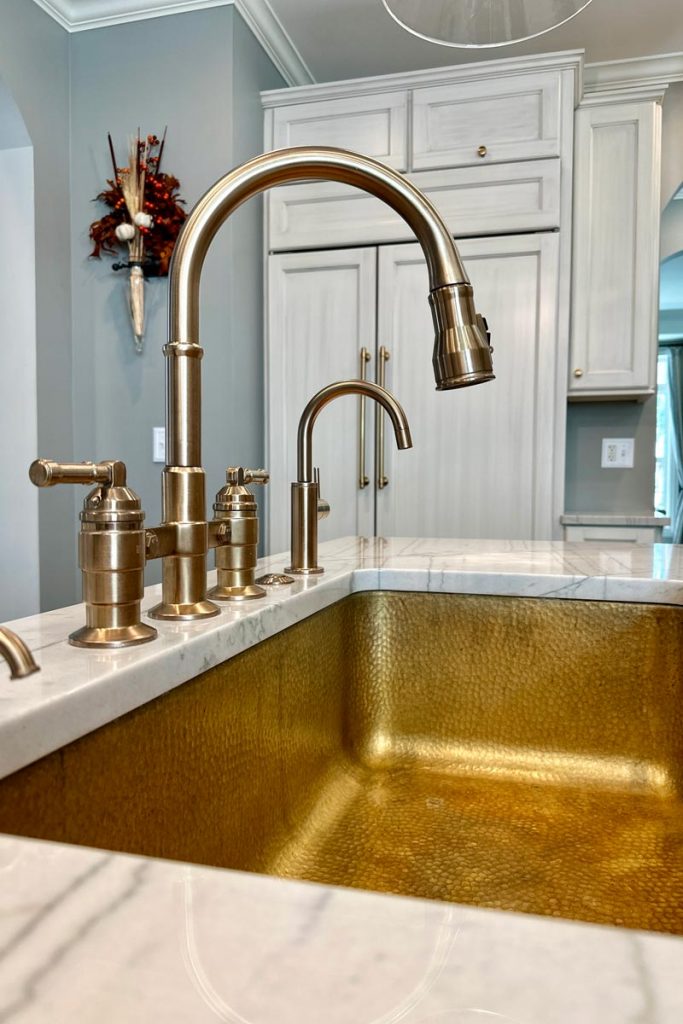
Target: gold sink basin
504 752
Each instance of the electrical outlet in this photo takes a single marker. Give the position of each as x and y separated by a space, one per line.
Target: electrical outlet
158 444
617 453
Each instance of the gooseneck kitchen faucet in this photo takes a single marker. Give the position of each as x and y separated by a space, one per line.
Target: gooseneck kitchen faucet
461 356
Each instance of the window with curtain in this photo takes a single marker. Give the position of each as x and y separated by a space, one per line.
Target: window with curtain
665 466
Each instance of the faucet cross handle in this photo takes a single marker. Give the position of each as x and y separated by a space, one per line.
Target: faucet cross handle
238 476
111 551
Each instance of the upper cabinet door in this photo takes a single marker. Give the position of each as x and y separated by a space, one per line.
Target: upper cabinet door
375 125
616 250
493 120
321 313
485 462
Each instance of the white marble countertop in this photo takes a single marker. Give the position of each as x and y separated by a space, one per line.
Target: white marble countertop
87 936
78 690
92 938
603 519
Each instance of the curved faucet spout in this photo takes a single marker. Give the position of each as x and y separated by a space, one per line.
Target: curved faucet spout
305 492
394 410
461 356
16 654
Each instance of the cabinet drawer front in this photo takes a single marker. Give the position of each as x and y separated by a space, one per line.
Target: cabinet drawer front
613 534
374 125
512 118
488 200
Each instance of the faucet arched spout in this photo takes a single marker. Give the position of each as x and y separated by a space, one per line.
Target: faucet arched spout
365 388
462 354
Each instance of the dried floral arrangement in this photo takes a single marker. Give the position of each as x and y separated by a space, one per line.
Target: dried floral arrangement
146 215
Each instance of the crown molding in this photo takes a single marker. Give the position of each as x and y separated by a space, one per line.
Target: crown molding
570 60
55 8
639 77
84 15
263 22
275 40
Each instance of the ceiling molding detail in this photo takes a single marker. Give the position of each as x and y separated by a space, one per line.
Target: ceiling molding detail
55 8
83 15
571 60
638 75
275 40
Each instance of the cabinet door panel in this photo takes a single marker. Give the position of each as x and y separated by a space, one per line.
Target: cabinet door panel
321 312
472 201
516 117
616 250
375 125
483 460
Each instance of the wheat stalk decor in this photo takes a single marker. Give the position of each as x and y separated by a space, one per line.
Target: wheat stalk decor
145 217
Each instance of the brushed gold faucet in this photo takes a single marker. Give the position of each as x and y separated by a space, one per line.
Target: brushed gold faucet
307 508
462 353
113 544
16 654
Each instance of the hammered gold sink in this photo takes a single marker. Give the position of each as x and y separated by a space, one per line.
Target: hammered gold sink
504 752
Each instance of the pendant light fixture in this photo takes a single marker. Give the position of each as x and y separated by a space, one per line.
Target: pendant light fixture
481 23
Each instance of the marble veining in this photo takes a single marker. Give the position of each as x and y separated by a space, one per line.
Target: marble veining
98 938
77 691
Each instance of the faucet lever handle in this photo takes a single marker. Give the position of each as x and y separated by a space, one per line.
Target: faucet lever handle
323 503
46 473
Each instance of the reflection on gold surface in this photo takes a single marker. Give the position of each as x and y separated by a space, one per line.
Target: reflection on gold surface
505 752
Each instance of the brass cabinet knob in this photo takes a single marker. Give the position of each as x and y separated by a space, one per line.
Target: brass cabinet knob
482 151
578 373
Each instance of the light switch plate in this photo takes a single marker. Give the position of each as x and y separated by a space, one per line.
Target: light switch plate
159 444
617 453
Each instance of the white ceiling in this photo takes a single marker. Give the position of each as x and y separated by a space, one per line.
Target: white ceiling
339 39
349 38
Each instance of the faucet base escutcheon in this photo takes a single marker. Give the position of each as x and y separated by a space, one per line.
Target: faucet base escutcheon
112 637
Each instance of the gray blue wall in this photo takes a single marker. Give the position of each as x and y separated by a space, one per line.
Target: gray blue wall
34 65
200 73
613 491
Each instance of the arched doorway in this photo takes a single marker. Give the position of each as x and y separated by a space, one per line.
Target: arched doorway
19 557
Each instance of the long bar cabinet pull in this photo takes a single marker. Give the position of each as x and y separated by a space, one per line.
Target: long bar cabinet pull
363 479
382 479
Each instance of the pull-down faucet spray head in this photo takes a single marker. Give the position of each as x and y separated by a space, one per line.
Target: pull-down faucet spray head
462 349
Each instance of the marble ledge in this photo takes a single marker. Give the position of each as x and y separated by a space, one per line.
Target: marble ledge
601 519
78 691
99 938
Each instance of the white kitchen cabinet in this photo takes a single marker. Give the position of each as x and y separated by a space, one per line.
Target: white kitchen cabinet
321 312
483 462
487 120
483 459
344 272
615 291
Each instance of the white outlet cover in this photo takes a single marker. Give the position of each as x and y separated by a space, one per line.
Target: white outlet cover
617 453
158 444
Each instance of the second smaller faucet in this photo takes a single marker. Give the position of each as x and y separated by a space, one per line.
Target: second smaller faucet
307 507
